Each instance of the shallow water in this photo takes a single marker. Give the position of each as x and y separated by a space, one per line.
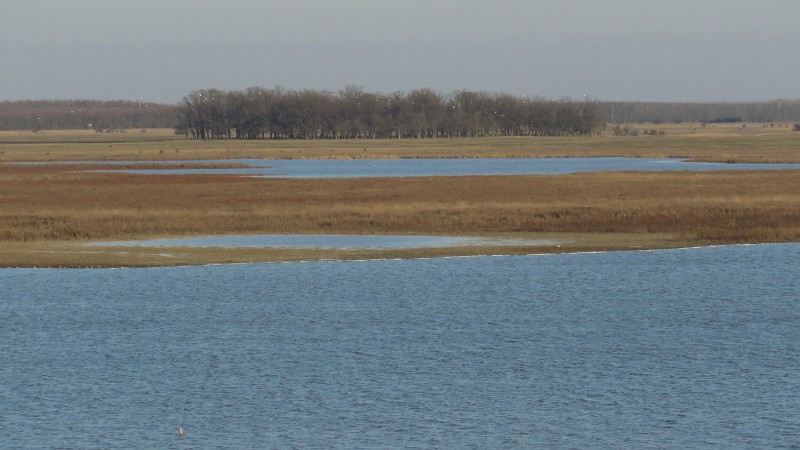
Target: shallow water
676 349
347 168
325 241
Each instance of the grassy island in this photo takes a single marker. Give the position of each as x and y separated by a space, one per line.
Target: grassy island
49 211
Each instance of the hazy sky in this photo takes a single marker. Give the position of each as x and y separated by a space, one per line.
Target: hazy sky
159 50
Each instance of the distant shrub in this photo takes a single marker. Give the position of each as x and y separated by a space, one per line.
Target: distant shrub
619 130
797 127
726 120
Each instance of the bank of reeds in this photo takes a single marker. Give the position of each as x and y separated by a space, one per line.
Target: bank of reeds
55 203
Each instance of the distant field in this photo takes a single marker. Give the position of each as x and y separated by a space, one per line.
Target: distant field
714 142
48 211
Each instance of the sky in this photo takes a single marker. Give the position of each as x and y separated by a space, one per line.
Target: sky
633 50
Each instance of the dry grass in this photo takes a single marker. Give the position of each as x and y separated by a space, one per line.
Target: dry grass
721 143
54 203
46 212
51 203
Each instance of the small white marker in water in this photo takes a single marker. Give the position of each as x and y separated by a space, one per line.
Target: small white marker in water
181 433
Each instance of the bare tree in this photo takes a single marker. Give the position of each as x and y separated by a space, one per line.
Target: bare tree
353 113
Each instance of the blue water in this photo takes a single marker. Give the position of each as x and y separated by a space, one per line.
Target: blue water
666 349
356 168
324 241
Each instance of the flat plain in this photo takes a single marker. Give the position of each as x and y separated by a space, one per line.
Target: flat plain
49 211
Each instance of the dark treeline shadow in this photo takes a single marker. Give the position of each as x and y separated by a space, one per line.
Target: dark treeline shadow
86 114
719 112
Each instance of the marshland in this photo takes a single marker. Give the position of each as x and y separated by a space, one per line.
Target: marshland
50 210
324 225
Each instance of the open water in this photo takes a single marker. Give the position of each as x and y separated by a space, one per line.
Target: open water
661 349
356 168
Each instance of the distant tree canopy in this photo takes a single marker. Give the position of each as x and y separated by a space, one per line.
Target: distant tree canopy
661 112
726 120
259 113
352 112
82 114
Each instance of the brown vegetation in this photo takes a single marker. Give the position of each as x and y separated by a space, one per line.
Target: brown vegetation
50 203
722 143
48 211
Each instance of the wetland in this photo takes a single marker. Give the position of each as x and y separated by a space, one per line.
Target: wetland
49 211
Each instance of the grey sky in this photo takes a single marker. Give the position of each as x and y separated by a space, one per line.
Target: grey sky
677 50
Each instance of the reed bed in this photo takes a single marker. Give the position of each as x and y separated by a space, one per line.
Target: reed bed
51 203
47 211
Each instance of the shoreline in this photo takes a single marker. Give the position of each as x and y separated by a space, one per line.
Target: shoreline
383 258
77 255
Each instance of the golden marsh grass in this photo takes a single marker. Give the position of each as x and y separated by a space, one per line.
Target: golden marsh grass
48 203
47 212
720 143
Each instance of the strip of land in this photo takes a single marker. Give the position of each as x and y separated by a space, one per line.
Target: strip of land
49 212
754 142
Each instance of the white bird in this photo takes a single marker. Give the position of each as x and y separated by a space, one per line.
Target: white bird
181 433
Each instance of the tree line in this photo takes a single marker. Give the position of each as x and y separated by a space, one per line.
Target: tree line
352 113
718 112
85 114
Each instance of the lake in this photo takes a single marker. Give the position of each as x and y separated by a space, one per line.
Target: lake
650 349
356 168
